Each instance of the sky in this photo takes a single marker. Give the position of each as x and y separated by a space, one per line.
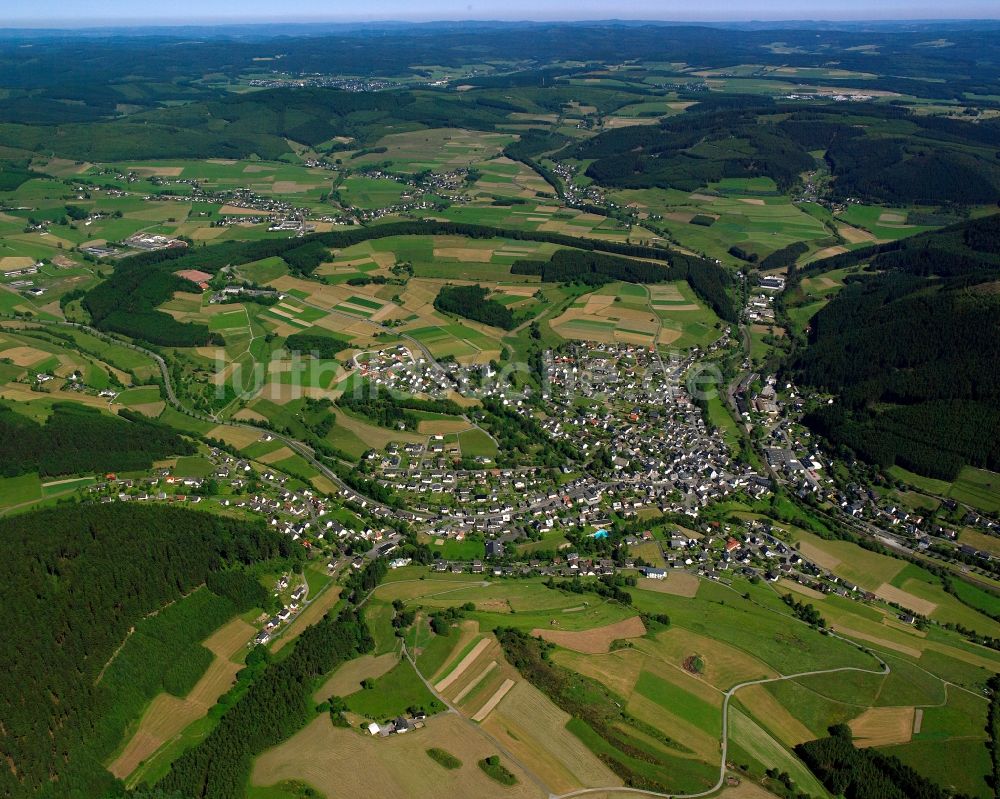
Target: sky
100 12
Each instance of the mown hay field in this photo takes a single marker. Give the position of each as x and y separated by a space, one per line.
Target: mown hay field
328 758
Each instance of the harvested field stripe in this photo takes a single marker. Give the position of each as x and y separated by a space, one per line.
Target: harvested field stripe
459 670
494 700
596 640
874 639
468 688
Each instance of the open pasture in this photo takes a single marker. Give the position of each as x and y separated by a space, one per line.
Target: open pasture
885 224
346 680
893 580
456 339
274 178
361 191
612 313
753 739
978 488
528 724
883 726
752 217
327 758
393 692
439 149
505 178
762 634
598 639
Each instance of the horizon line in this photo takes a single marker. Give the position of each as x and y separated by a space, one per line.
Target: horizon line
82 24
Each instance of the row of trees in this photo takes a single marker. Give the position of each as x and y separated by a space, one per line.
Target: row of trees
592 269
592 705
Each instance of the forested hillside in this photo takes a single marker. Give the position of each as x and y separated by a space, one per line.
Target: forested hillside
278 702
77 439
127 302
74 580
689 151
880 154
911 348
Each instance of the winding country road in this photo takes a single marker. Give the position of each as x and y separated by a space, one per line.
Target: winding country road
614 789
299 447
725 735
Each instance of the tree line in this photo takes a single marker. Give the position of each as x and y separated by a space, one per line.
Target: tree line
709 281
127 301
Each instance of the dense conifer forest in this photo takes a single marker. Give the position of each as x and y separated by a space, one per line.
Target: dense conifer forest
864 773
76 579
910 348
470 302
76 439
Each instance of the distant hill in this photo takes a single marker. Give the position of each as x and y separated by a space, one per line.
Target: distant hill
911 347
878 153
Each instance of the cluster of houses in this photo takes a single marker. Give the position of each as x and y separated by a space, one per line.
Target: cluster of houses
22 271
794 458
573 193
397 369
661 450
323 82
229 293
287 612
760 308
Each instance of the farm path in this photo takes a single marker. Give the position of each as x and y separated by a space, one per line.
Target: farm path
477 728
725 735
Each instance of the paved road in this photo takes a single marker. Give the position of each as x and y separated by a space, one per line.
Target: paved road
294 444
